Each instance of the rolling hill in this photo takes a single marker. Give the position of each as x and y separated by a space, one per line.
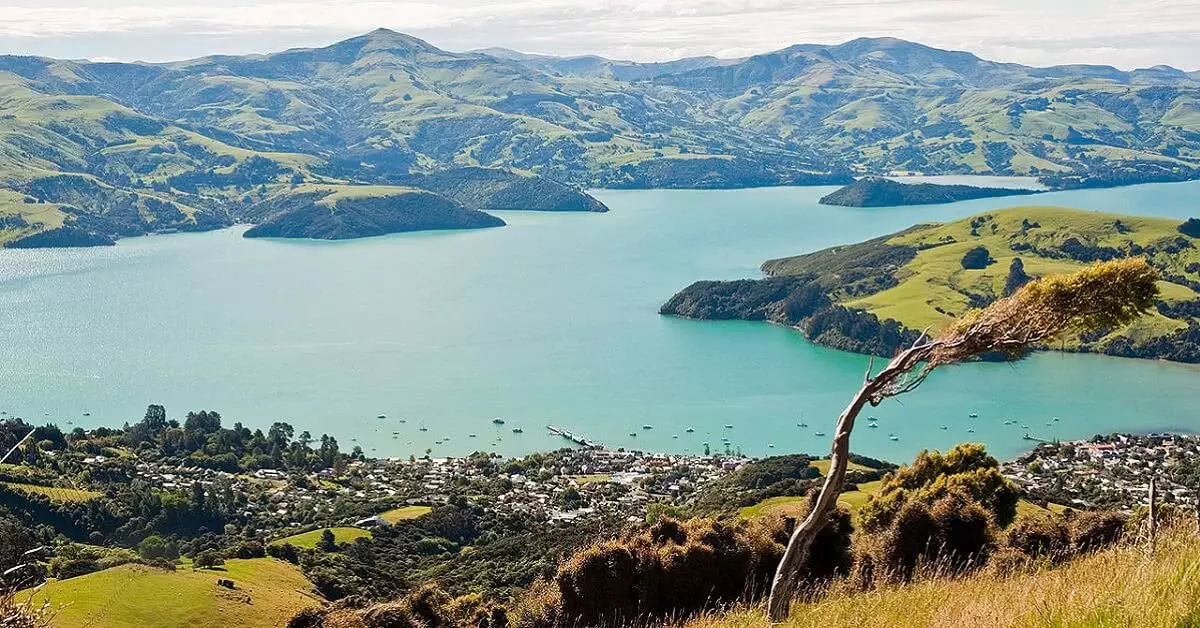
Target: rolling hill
872 296
266 592
192 144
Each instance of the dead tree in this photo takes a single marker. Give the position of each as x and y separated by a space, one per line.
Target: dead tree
1106 295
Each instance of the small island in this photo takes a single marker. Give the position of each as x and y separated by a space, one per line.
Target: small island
881 192
339 212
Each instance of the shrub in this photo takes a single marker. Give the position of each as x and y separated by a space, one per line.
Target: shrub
675 569
208 559
1091 531
1190 227
1040 536
977 258
965 468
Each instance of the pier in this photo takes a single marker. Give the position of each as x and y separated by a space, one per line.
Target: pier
578 440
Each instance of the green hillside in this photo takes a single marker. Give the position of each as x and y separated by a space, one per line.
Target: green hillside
211 136
266 593
872 296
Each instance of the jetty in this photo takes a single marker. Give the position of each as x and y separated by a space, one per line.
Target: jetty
578 440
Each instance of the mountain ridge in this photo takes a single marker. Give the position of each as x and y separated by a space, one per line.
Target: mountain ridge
222 132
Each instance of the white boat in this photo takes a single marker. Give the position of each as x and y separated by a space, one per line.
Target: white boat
974 415
647 427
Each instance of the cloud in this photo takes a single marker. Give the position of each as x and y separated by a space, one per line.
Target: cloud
1125 33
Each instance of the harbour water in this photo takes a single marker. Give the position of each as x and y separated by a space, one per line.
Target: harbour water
550 320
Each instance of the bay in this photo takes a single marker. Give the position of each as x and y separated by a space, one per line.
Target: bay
551 320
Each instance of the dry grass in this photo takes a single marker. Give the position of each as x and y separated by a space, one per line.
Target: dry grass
1124 586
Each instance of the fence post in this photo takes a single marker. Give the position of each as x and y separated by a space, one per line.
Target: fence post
1153 514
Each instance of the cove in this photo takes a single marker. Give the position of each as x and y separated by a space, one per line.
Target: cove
551 320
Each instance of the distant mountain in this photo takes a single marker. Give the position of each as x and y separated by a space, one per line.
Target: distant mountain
214 135
881 192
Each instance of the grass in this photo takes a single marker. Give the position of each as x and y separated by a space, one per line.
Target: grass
1125 586
822 465
308 540
350 192
934 287
56 494
267 593
852 500
396 515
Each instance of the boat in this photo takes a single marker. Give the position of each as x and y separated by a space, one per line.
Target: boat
403 421
894 437
771 445
647 427
873 426
674 435
633 434
945 427
802 425
690 430
1056 418
728 426
423 428
1024 427
974 415
90 414
517 430
498 421
971 430
872 418
819 434
381 416
470 435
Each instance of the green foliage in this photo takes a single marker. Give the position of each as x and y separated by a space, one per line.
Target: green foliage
208 559
977 258
966 469
675 569
1190 227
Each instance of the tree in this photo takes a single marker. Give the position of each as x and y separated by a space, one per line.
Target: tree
328 542
208 559
156 417
1016 277
1105 295
977 258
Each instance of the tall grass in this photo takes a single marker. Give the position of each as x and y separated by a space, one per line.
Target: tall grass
1122 586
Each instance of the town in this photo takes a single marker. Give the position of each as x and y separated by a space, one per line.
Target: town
1110 471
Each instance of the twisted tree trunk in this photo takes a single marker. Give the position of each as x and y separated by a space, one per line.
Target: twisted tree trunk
873 390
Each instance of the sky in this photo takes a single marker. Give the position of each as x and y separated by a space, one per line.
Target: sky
1124 33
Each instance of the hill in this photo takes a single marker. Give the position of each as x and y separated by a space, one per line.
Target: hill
880 192
1123 586
871 296
343 212
266 592
187 145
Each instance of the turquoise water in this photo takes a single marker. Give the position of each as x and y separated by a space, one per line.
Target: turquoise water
552 320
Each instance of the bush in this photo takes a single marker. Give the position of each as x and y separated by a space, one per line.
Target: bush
965 468
1091 531
675 569
249 549
977 258
284 551
1040 536
208 559
1190 227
